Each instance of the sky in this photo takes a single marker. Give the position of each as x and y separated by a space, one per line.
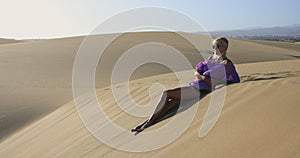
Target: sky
64 18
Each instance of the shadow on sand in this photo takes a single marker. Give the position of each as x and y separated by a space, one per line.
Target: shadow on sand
183 107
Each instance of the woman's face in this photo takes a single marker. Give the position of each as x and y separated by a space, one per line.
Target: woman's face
218 48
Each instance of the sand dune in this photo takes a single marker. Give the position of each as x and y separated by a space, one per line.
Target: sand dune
35 80
38 117
257 121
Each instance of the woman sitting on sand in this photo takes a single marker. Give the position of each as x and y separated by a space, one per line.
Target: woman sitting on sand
202 83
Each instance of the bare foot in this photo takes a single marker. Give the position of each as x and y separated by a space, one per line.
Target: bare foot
141 127
138 128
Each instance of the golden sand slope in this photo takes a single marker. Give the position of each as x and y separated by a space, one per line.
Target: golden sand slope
260 118
36 80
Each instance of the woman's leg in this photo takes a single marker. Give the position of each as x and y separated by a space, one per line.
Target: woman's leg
169 100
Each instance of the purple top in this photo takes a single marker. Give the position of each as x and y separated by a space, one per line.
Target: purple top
211 69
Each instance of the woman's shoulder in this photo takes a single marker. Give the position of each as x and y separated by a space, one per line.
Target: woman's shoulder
228 62
204 62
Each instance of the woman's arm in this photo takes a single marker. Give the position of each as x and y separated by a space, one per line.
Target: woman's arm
231 74
201 77
207 79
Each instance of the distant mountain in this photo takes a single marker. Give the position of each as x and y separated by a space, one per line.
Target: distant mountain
284 33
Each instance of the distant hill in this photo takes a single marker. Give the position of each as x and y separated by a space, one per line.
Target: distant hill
278 33
8 41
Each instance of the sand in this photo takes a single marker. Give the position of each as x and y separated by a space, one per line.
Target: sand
38 116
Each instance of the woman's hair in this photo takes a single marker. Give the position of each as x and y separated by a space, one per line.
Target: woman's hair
222 41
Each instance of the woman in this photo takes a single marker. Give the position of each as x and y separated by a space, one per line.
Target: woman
202 83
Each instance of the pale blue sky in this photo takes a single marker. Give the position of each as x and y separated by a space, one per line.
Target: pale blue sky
60 18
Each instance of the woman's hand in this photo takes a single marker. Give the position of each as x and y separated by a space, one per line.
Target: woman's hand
198 76
201 77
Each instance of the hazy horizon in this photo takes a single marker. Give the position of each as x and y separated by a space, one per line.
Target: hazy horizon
210 31
35 19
